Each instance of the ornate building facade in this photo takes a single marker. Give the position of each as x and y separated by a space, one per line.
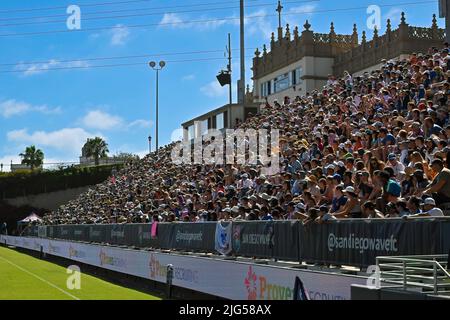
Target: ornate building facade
299 63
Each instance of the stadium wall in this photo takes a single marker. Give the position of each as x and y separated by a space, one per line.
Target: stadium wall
216 277
49 201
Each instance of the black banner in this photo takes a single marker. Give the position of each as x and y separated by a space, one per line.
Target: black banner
343 242
358 243
286 240
254 239
187 236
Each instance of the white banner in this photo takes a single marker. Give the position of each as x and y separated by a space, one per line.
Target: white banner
42 231
227 279
223 238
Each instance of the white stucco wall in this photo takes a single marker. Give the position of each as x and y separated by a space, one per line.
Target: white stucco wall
312 66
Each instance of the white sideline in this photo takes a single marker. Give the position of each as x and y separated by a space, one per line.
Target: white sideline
37 277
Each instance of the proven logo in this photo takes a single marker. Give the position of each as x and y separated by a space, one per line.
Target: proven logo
258 288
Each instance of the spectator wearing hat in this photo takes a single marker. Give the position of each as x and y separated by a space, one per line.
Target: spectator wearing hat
397 166
429 209
314 188
290 211
244 185
225 215
352 208
294 164
297 186
339 199
259 183
324 215
365 187
266 216
369 211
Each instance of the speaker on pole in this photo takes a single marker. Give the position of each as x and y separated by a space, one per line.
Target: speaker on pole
224 78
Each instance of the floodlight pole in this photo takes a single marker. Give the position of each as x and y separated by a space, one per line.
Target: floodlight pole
241 90
229 69
155 67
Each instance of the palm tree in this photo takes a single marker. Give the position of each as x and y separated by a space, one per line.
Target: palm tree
32 157
96 148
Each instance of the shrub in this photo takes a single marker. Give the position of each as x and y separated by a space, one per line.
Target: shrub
23 183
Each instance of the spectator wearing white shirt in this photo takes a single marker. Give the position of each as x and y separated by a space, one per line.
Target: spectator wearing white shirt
244 185
430 209
397 167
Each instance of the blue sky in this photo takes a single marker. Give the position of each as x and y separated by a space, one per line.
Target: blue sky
58 110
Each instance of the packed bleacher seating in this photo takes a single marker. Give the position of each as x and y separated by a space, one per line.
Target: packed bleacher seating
372 146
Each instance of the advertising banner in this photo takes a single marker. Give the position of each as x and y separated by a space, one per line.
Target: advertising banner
227 279
358 244
343 242
223 237
254 239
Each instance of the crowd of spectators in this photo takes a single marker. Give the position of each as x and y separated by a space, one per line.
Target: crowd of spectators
374 146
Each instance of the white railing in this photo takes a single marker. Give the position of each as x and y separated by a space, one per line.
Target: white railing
429 274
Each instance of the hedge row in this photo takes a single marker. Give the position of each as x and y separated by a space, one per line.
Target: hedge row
20 184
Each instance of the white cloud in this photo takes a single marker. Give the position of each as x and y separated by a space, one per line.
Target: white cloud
188 77
257 23
169 19
212 24
13 107
214 90
298 15
144 124
39 68
307 9
176 21
120 35
67 139
32 69
97 119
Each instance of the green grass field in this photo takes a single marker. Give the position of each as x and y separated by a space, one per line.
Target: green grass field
23 277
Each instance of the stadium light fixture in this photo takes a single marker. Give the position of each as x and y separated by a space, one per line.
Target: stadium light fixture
153 65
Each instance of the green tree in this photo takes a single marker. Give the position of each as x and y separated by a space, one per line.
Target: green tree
96 148
126 156
32 157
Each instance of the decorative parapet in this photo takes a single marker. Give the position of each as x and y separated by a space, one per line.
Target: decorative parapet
404 40
426 33
287 50
347 52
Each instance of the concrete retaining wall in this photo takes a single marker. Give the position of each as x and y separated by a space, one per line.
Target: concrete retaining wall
49 201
